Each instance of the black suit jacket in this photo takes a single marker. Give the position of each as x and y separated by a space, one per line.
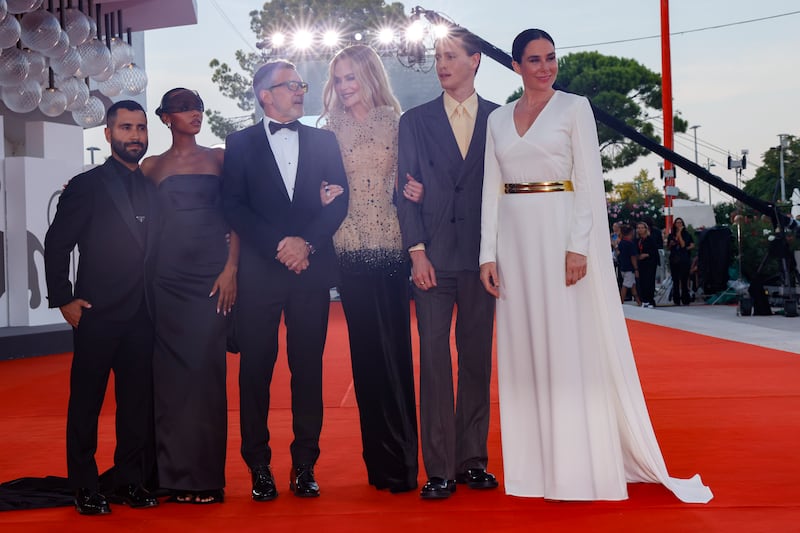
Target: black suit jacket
448 221
258 208
116 259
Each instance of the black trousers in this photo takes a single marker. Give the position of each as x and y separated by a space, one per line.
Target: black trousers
647 281
127 349
376 305
454 430
680 282
305 312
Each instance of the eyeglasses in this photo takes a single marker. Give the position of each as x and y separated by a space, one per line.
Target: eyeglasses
293 86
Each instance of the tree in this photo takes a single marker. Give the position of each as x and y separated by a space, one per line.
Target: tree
641 189
766 182
637 200
623 88
347 16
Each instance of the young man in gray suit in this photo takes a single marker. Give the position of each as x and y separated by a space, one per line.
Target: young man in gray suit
442 146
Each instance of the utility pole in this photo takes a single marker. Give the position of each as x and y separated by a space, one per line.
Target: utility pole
784 138
670 190
697 180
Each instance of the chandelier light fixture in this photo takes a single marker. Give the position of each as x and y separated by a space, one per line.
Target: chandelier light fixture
50 51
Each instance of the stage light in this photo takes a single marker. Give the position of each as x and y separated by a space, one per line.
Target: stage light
278 40
303 39
358 36
330 38
416 31
386 36
440 30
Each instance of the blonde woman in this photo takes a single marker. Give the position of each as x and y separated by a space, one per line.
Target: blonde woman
361 110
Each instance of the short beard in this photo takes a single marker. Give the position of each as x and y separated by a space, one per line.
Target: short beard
122 152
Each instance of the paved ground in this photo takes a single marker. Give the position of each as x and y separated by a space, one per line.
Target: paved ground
777 331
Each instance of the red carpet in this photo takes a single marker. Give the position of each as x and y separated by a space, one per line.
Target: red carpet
729 411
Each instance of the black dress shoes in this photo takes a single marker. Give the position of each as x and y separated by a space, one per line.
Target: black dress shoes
263 484
88 501
438 488
134 496
477 478
302 482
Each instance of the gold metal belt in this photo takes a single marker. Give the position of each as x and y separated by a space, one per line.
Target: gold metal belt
539 186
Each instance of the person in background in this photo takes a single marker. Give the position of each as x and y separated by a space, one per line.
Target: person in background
574 422
110 213
680 245
441 145
195 289
628 264
361 110
647 261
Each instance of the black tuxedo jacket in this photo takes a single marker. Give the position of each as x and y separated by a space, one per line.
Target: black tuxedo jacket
258 207
448 221
117 257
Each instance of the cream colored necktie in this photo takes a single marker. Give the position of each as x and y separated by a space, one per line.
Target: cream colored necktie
461 129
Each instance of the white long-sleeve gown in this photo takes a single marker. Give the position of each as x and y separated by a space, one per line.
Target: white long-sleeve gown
573 417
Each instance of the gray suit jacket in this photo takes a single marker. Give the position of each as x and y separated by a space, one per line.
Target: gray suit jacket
448 221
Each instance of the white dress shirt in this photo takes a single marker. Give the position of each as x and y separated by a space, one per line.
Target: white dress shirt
285 146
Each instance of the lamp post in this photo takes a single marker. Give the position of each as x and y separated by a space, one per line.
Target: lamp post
784 138
697 180
92 150
709 164
737 165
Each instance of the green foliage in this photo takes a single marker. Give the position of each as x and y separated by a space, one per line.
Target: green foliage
767 178
723 213
640 189
286 15
637 200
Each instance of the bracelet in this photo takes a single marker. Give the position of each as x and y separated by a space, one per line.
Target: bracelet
310 248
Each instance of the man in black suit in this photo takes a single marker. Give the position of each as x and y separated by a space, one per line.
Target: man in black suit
442 145
109 212
271 196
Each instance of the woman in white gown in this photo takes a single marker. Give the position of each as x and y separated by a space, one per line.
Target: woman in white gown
573 417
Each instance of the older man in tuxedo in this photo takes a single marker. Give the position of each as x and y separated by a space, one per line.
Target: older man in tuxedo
442 145
110 213
271 196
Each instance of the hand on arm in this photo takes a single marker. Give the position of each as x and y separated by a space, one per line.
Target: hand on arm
413 190
490 279
328 192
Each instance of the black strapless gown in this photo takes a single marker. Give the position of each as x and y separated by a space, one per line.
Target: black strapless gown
189 362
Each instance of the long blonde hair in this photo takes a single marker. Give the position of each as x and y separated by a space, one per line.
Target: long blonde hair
371 77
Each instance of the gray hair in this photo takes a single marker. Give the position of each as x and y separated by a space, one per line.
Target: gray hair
265 75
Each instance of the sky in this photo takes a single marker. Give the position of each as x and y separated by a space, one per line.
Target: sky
737 78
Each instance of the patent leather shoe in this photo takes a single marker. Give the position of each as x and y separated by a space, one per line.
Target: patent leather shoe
477 478
438 488
91 502
134 496
264 488
302 482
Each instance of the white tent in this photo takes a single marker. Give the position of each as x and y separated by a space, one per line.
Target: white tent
695 214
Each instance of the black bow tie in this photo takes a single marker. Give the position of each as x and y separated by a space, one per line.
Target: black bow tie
277 126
